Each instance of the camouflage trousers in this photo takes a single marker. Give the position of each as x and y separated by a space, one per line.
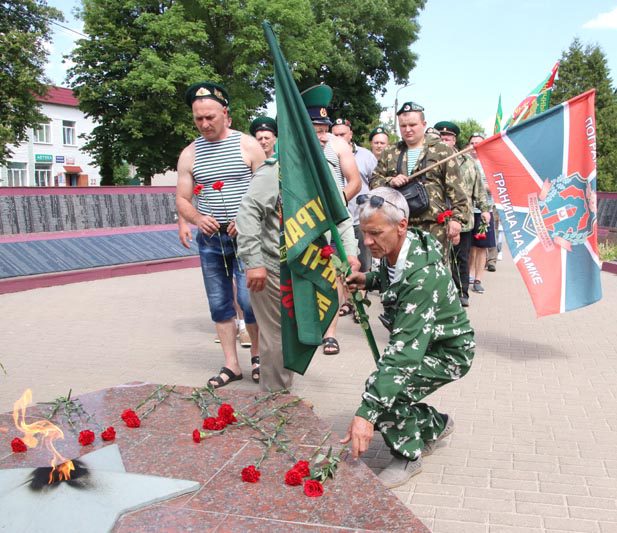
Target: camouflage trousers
407 425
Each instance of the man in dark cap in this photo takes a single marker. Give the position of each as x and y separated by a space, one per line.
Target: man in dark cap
418 151
471 182
344 169
218 167
379 141
265 131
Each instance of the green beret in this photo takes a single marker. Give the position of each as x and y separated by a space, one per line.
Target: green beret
342 122
445 126
317 99
263 124
408 107
207 89
376 131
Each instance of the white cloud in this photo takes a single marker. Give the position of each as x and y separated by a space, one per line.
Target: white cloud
606 21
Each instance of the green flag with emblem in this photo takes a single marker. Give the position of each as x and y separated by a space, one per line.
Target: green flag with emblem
311 206
498 117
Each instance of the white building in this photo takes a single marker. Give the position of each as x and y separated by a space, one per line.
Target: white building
52 157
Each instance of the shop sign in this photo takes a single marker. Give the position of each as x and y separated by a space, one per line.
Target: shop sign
59 159
43 158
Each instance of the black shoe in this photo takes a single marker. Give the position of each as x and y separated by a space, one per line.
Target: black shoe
464 301
491 268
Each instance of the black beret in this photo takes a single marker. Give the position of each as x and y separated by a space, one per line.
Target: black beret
263 124
207 89
376 131
408 107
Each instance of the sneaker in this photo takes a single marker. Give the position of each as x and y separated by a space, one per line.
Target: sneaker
245 338
464 301
430 445
499 256
477 287
491 267
400 471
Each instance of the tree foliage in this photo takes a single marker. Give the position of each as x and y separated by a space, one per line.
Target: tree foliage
25 27
582 68
130 74
468 127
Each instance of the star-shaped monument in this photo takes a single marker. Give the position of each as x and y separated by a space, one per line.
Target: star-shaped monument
109 492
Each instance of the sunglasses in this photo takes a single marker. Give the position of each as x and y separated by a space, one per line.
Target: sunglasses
374 201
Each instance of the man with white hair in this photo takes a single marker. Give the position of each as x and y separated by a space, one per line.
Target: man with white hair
431 341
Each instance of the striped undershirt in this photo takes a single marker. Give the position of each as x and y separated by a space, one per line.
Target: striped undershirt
333 159
221 161
412 159
391 272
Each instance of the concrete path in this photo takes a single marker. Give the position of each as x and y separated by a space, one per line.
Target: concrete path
535 444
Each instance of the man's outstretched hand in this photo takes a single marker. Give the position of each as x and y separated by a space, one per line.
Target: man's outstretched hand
360 434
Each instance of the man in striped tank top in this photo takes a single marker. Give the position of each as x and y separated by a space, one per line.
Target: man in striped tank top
222 161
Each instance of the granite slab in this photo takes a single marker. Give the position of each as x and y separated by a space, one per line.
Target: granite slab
354 500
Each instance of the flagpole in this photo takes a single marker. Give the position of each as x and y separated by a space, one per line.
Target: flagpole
435 165
294 95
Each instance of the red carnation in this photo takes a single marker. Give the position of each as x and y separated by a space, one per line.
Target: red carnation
18 445
197 189
109 433
196 436
130 418
86 437
313 488
448 213
442 217
293 478
327 251
218 185
303 468
250 474
226 413
214 424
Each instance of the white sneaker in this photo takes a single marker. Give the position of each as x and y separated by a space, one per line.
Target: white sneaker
400 471
499 256
430 445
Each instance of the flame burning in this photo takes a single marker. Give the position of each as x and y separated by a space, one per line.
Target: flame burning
48 434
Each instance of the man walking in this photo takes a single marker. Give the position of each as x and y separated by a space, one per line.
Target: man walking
221 161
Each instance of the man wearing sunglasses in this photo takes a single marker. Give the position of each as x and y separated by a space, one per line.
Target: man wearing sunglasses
417 151
431 341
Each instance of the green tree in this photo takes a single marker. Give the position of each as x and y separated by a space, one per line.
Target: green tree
130 74
468 127
582 68
25 27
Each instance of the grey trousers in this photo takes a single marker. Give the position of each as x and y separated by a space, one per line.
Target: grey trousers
266 306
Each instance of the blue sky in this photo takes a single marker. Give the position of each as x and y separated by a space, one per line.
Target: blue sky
469 51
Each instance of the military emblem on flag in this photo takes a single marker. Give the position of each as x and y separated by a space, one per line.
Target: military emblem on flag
542 175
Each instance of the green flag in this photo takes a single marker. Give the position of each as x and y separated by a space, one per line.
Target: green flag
498 117
537 101
311 206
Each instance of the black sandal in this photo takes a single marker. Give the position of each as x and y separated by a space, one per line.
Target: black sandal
255 371
220 382
330 346
346 309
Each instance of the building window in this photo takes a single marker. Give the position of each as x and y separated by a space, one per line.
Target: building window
42 133
68 132
17 175
42 176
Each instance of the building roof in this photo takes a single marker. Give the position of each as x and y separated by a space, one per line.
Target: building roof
59 96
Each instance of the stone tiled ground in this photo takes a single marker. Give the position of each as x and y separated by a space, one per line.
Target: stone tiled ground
535 445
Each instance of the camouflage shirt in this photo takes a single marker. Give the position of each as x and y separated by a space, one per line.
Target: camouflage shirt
442 183
471 181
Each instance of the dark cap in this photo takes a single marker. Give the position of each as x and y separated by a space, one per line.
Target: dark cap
317 99
342 122
207 89
376 131
263 124
407 107
445 126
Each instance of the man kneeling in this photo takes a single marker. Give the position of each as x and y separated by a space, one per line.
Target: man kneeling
431 341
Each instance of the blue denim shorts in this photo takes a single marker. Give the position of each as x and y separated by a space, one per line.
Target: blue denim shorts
214 252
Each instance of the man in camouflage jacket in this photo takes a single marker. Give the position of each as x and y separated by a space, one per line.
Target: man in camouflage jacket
442 183
431 341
